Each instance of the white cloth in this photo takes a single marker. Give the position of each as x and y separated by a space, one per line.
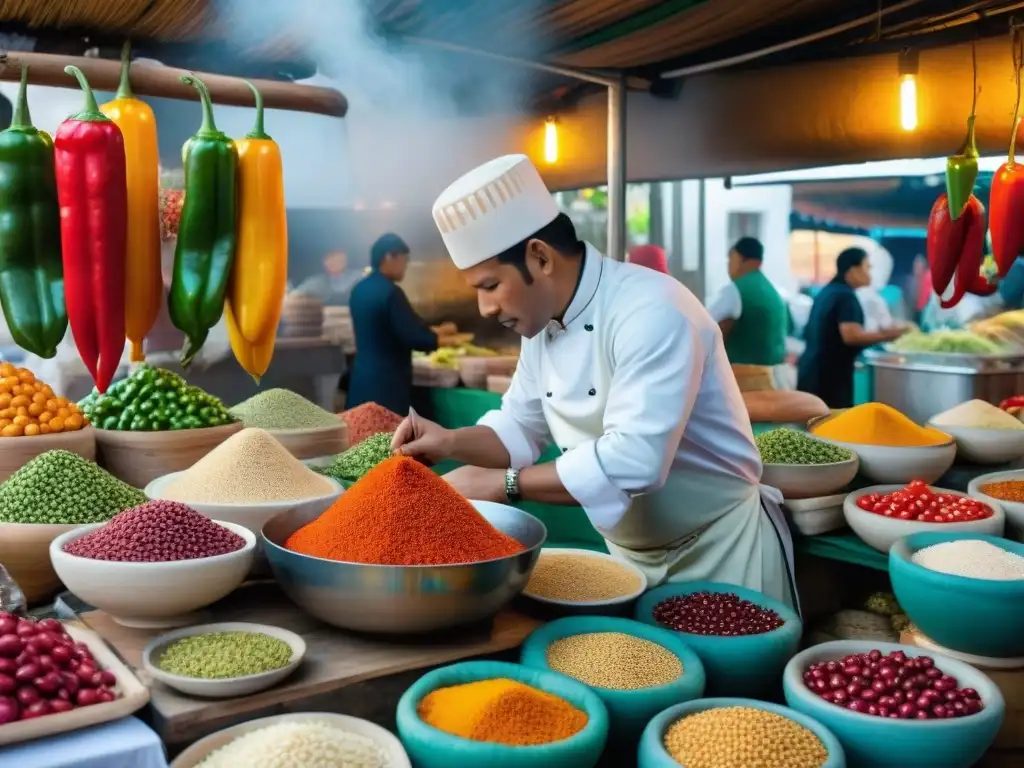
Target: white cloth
727 304
125 743
637 391
876 312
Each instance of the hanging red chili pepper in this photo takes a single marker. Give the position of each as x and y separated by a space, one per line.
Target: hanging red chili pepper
960 243
1006 201
93 196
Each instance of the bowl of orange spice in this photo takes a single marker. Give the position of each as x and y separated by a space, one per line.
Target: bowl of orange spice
34 420
1007 490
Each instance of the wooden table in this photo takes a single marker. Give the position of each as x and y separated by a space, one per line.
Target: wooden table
342 672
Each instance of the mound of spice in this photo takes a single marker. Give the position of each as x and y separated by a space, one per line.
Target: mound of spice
223 655
977 414
249 467
282 409
401 513
578 578
355 462
716 613
369 419
788 446
29 407
878 424
156 532
1005 490
973 559
741 737
62 488
501 711
304 744
614 660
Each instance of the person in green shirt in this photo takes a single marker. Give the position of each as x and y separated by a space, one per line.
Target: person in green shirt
753 317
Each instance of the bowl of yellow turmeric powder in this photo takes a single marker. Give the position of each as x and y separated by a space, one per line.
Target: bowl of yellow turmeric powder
891 447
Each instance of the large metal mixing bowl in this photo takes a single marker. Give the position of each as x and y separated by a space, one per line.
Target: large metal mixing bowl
403 599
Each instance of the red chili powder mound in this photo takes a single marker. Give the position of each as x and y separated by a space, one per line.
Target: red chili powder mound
401 513
369 419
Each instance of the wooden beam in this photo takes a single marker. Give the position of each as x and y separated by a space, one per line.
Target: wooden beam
156 80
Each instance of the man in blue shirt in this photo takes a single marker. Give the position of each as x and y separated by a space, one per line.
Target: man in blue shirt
387 331
835 333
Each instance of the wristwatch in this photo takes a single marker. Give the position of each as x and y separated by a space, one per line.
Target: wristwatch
512 485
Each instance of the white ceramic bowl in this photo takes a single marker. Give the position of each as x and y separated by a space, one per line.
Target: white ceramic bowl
152 594
1014 509
393 749
225 687
806 481
894 464
592 606
986 446
882 532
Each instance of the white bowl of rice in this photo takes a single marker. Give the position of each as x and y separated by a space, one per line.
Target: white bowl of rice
287 741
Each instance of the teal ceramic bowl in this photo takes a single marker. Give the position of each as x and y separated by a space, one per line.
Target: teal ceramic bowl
652 752
429 747
976 616
880 742
735 666
628 710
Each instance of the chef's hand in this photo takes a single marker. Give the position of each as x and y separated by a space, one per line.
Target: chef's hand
421 438
479 484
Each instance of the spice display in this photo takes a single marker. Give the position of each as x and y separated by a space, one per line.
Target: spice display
614 660
29 407
972 558
1005 490
255 294
369 419
62 488
306 744
401 513
581 578
878 424
156 532
893 685
154 400
43 671
742 737
205 251
171 203
249 467
31 270
788 446
716 613
282 409
356 461
977 414
947 341
920 503
501 711
93 194
143 279
222 655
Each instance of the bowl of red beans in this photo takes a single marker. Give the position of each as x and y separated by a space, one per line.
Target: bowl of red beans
883 514
743 637
896 706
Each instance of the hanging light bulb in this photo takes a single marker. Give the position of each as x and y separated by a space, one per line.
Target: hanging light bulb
551 141
908 89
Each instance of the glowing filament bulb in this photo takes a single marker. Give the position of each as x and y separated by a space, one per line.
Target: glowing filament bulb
551 141
908 102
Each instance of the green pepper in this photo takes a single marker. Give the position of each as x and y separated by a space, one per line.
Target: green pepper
31 270
962 173
206 233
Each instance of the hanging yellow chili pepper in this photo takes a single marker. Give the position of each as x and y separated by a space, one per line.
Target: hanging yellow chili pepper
259 276
143 282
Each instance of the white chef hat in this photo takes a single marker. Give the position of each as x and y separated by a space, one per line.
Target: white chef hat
491 208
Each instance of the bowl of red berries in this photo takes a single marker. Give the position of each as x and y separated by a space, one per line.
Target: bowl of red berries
883 514
896 706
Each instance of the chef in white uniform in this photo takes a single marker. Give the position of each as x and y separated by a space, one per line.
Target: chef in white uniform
625 371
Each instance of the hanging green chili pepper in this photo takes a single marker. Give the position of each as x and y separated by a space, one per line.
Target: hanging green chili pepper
206 235
962 168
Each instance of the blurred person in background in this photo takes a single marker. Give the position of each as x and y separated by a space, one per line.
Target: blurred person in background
650 256
387 331
333 286
835 333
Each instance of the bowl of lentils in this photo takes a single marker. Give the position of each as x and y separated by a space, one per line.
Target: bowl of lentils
699 734
896 706
154 564
225 659
743 637
802 466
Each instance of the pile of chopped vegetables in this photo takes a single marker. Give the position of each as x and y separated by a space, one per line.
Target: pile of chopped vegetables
958 342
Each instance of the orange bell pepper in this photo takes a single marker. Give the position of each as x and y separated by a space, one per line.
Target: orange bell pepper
252 308
143 282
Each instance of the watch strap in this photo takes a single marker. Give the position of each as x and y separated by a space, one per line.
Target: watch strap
512 485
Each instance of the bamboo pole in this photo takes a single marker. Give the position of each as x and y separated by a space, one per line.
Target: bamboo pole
156 80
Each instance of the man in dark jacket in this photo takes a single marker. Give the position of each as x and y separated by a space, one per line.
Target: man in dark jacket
387 330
